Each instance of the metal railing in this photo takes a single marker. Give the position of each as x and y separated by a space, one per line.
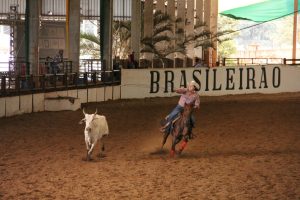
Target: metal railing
251 61
56 9
23 84
291 61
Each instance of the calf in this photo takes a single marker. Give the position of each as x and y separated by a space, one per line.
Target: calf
95 128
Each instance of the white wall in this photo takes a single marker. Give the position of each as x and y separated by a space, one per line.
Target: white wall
10 106
2 107
26 103
136 83
211 81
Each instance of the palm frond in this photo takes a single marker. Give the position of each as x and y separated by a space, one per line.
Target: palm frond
160 18
161 29
161 38
90 37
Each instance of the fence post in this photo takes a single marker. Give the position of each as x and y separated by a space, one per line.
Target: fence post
17 84
284 61
55 79
85 78
223 61
31 82
65 79
75 79
3 84
94 78
43 79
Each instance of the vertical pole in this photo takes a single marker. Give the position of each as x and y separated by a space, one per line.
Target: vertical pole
181 14
148 25
171 13
295 31
73 32
189 27
136 27
106 33
160 5
102 19
27 37
67 25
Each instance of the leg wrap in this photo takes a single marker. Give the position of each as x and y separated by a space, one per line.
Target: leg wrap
183 145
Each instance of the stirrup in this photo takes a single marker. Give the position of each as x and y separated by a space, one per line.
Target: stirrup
162 129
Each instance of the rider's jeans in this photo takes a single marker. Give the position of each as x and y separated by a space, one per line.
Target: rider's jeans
174 113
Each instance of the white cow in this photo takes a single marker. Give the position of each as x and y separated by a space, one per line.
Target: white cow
95 128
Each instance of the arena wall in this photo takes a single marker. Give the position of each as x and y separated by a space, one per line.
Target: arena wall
141 83
56 101
210 81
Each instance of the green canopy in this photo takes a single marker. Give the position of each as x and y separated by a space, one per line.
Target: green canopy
264 11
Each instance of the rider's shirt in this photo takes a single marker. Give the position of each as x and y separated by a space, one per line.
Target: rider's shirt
188 97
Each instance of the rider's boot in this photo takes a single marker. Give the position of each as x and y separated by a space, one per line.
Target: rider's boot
163 128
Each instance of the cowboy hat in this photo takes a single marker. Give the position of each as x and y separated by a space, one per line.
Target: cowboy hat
193 83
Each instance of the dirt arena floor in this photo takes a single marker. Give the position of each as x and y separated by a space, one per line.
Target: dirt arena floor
247 147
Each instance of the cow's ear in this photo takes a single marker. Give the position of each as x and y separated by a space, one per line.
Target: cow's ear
95 116
81 121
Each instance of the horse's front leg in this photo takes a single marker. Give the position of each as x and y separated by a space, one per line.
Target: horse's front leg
185 137
165 137
174 140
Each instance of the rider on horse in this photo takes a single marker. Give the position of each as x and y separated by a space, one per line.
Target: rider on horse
189 95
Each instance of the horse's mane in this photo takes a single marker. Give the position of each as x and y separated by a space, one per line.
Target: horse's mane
187 110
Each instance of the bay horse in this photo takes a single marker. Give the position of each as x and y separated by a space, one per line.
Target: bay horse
181 127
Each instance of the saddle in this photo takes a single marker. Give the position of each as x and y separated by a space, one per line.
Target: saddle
166 127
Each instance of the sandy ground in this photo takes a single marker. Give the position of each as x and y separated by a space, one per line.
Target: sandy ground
247 147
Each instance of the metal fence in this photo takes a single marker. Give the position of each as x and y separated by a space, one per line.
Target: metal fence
89 9
251 61
53 82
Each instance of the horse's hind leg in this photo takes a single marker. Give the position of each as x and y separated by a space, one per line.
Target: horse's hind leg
175 141
178 139
183 145
172 152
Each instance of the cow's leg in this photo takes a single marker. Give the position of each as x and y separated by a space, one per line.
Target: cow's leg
102 149
88 147
91 149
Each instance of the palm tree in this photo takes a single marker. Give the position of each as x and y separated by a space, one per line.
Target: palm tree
204 38
121 38
90 43
159 45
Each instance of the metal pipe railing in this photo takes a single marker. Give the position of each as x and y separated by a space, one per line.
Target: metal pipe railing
20 84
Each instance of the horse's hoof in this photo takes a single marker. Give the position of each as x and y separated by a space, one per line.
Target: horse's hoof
172 153
179 152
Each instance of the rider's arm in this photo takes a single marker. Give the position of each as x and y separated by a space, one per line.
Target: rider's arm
181 90
197 101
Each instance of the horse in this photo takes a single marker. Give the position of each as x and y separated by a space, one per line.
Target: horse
181 129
